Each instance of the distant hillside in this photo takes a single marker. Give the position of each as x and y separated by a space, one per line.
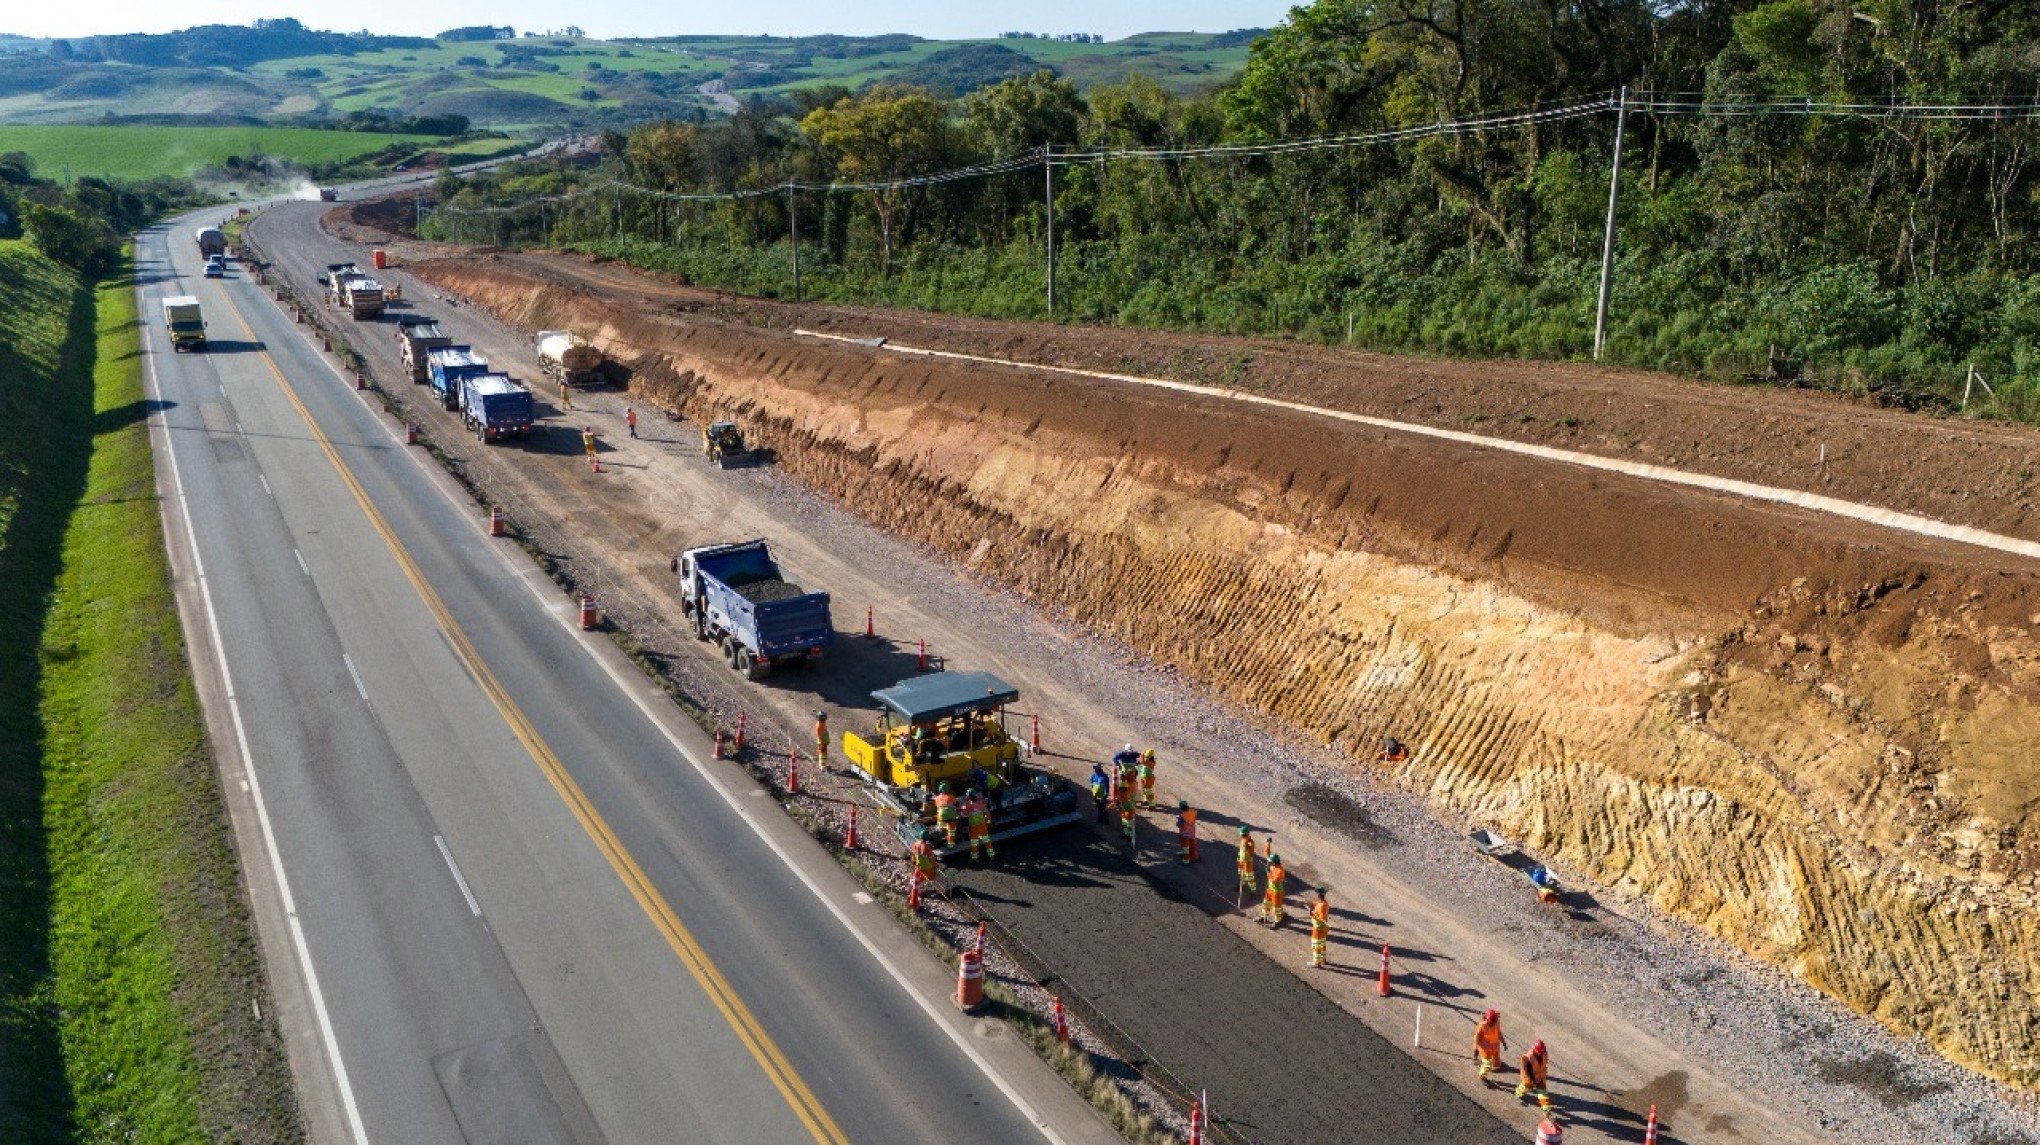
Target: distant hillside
280 72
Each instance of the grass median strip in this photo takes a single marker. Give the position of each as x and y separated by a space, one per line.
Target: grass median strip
129 978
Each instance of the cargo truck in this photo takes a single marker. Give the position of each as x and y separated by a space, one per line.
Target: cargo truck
448 365
568 360
737 599
418 337
185 323
494 406
211 241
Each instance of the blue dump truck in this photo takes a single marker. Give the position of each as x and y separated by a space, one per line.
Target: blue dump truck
494 407
736 598
448 365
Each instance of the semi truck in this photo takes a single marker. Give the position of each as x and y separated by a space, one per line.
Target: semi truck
418 337
736 598
495 406
184 321
569 360
211 241
448 365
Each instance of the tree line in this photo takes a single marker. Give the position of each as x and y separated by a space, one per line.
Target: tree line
1882 254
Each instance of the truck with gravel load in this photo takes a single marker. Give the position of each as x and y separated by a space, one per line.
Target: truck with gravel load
353 291
447 365
568 359
948 732
736 598
495 406
416 337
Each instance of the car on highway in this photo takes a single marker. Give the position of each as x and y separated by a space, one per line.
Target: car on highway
215 269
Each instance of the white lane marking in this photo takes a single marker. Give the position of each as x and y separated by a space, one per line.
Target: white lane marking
238 428
1833 506
320 1014
265 484
307 569
349 661
860 898
465 893
570 621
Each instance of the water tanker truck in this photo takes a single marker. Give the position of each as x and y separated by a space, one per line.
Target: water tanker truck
569 360
211 241
736 598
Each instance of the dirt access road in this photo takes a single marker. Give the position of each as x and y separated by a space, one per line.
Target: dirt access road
1632 1022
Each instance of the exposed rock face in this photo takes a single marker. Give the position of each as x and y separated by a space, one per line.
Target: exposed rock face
1815 740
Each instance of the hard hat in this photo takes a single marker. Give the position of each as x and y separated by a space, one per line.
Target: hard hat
1321 891
942 788
1491 1015
1183 804
1245 830
1275 859
1129 747
1537 1047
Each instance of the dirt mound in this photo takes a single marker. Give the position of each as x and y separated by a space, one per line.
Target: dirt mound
1809 736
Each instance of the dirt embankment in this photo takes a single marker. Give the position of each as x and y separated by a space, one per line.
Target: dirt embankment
1809 737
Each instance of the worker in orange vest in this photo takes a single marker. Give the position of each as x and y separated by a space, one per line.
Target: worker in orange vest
980 814
822 738
1533 1074
1320 929
1488 1043
1186 832
1249 884
1272 909
588 439
1549 1132
923 856
1145 769
630 419
945 813
1128 821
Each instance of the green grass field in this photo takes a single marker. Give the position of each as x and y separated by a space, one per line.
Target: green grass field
124 152
127 966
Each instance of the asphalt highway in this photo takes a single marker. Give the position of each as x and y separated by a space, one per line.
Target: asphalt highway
504 893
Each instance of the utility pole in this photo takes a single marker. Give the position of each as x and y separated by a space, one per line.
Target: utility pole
1048 171
1608 236
793 233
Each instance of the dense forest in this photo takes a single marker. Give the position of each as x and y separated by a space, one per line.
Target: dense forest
1875 252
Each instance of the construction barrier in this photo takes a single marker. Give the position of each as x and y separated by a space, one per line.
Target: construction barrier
970 982
497 525
381 259
1384 988
410 433
589 618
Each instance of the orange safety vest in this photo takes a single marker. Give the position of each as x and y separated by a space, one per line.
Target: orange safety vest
1246 856
1488 1039
1536 1070
1186 823
1320 919
924 859
945 807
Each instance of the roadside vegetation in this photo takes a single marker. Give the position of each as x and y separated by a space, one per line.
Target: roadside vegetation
1873 256
129 978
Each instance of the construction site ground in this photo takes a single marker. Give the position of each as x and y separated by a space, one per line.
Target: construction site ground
1639 1011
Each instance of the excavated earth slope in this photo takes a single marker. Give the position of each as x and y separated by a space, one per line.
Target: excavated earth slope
1810 737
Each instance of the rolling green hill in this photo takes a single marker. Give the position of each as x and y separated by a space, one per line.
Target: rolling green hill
140 152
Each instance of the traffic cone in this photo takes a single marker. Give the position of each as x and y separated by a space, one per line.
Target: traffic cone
497 525
793 773
921 662
410 433
1034 735
869 631
1384 987
1196 1123
597 460
740 732
970 982
850 835
914 891
718 744
1062 1021
589 617
1650 1128
980 947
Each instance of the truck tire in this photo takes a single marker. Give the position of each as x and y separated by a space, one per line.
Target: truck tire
755 669
729 651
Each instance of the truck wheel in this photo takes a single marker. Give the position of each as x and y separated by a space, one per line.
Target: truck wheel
756 669
729 652
747 664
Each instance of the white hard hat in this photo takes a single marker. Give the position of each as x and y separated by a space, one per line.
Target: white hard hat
1129 747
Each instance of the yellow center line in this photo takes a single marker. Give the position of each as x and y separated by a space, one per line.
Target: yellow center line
784 1078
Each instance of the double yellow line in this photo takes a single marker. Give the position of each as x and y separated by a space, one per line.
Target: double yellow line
770 1058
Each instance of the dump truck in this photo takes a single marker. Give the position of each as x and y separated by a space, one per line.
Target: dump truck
361 296
185 322
736 598
950 729
329 194
723 444
447 365
568 359
495 406
416 337
212 241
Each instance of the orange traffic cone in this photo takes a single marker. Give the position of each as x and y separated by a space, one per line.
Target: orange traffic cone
850 835
970 982
1384 987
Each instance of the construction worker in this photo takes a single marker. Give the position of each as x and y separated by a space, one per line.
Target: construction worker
1125 758
1549 1132
1533 1076
946 813
1249 884
1320 929
1393 750
980 827
923 856
1145 770
1186 832
588 439
822 738
1127 819
566 396
995 788
1488 1043
1101 790
630 419
1272 910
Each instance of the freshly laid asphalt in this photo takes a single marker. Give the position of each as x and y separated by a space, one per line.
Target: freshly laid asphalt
485 969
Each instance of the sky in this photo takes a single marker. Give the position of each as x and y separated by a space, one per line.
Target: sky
611 19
